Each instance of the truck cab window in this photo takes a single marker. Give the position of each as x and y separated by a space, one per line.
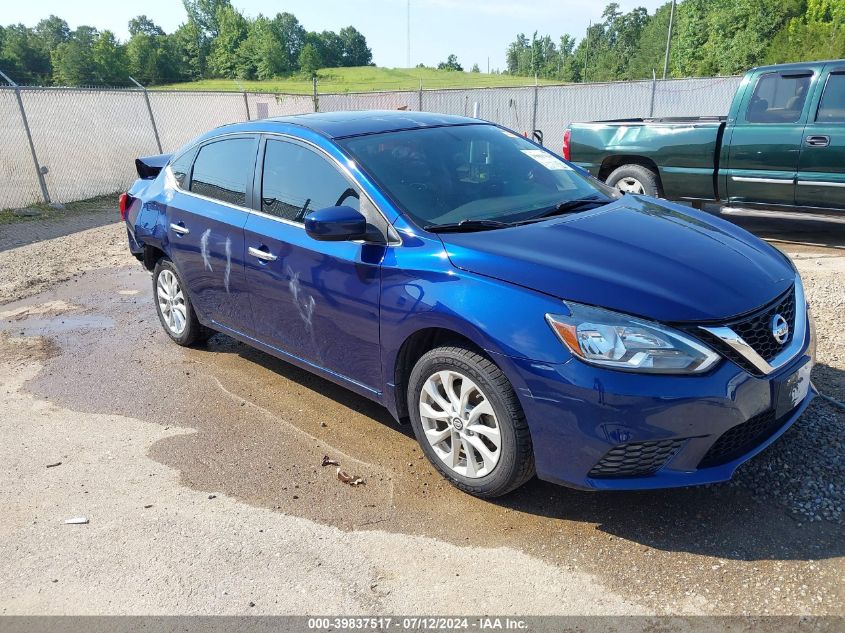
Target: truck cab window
778 98
832 106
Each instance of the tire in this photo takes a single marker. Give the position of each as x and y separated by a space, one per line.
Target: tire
491 473
635 179
175 312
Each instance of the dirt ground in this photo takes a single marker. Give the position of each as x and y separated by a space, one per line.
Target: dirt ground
199 472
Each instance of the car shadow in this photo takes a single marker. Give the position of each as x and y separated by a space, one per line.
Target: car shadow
745 519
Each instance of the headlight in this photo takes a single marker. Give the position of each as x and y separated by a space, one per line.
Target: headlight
619 341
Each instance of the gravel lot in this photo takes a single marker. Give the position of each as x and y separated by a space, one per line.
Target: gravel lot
232 441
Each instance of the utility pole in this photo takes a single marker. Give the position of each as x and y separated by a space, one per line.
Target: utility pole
587 52
408 34
669 39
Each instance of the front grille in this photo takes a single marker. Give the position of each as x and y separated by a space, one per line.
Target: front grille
740 439
756 330
637 459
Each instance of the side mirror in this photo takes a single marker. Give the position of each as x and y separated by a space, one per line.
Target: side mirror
336 224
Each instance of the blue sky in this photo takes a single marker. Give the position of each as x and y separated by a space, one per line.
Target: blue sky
472 29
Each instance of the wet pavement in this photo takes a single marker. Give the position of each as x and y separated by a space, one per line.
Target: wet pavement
262 427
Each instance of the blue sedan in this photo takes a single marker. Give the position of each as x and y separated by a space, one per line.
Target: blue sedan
521 315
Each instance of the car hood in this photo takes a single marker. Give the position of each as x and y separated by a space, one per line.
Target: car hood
637 255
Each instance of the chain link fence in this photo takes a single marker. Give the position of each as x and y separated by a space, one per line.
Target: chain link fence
65 144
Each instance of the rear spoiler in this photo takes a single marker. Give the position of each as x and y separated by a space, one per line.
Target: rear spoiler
148 167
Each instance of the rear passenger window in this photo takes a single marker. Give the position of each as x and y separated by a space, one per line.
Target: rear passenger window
297 180
223 170
181 167
778 98
832 106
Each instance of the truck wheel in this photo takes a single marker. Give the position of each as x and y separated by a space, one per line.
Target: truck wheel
469 423
174 307
635 179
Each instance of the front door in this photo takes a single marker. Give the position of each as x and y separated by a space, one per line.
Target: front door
765 141
821 169
317 301
205 225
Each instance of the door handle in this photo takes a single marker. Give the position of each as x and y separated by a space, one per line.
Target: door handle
180 228
818 141
262 254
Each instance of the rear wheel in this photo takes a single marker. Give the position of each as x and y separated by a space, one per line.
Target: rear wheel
635 179
174 307
469 423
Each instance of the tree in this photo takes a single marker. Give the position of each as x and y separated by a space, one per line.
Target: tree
261 55
232 30
475 69
309 60
51 32
451 63
291 35
25 60
73 61
108 57
355 49
144 26
205 14
190 49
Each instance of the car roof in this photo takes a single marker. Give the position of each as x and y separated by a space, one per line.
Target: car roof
336 125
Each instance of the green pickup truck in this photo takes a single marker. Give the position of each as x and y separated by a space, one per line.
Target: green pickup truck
782 145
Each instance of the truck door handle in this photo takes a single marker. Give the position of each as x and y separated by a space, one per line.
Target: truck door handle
262 253
818 141
180 228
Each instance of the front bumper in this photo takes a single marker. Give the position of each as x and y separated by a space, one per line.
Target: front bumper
583 418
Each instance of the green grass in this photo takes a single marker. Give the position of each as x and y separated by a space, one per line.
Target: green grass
360 79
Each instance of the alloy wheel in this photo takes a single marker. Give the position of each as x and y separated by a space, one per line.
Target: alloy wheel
171 302
460 424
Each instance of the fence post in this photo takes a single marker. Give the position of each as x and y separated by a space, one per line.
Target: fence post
150 111
420 98
43 183
534 113
653 90
246 104
315 95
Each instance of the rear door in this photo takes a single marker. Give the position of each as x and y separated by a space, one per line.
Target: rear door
821 169
205 222
317 301
766 139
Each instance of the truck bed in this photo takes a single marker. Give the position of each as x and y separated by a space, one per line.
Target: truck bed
683 150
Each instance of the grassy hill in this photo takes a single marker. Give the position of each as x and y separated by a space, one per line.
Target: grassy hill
361 79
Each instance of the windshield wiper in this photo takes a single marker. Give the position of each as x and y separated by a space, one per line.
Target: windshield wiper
567 207
466 226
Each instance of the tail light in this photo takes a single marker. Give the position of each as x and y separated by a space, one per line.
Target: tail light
124 202
566 136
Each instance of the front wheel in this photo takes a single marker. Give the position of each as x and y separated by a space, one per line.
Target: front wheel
635 179
467 419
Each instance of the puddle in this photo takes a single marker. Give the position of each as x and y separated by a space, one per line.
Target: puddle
262 427
56 325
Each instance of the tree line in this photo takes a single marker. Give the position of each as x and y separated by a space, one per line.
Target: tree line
217 41
709 37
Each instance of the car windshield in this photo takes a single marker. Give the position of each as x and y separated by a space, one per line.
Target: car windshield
470 173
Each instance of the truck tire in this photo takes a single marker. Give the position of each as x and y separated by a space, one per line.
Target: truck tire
635 179
469 422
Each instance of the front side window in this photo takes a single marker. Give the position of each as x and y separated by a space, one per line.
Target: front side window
443 175
778 98
297 180
832 106
223 170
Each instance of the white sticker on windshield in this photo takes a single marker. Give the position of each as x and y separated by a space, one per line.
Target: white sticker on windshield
547 160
